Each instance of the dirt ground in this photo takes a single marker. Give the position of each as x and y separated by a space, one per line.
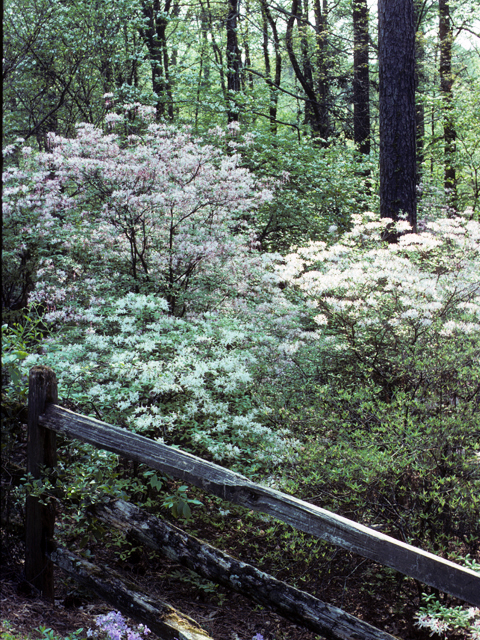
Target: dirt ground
224 615
355 585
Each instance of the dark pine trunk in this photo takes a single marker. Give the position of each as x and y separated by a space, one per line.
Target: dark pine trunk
233 60
361 80
396 40
420 82
446 84
154 34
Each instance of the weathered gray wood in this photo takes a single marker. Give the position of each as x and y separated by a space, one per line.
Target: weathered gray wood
293 604
160 617
41 452
425 567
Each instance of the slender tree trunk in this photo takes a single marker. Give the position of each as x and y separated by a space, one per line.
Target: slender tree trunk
217 52
310 115
315 110
233 60
247 77
446 84
396 43
361 77
155 38
267 20
420 81
321 71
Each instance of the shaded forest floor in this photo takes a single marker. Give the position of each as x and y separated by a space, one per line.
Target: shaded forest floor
362 588
226 616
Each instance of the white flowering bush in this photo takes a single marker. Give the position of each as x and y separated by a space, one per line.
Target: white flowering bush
442 619
134 246
394 376
135 365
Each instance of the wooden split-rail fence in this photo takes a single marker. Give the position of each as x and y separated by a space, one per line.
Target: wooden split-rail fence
46 418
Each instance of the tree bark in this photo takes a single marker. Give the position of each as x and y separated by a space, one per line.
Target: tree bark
446 84
233 61
396 43
420 80
155 38
316 110
361 77
267 20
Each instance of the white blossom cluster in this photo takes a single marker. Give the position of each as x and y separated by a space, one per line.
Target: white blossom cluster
161 375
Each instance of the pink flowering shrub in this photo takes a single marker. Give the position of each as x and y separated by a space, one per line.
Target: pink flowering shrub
149 275
104 214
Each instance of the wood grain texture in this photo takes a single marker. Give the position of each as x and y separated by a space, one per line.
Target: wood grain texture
221 568
160 617
416 563
41 452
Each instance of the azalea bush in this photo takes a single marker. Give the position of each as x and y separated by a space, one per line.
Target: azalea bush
181 381
104 214
392 381
132 246
441 618
152 288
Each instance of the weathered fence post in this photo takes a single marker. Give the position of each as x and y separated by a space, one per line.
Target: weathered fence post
41 451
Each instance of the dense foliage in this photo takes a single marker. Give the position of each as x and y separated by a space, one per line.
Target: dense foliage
218 286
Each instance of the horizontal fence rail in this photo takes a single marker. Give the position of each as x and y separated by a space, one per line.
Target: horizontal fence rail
160 617
219 567
411 561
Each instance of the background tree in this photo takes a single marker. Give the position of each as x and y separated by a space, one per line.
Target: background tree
316 110
233 60
396 52
154 33
445 34
361 77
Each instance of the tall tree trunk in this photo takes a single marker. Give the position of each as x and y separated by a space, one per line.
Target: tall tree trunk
233 60
396 49
217 52
420 81
247 76
155 38
204 68
316 111
446 84
267 20
361 79
310 116
321 71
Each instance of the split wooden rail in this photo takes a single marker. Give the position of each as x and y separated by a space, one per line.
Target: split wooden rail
45 418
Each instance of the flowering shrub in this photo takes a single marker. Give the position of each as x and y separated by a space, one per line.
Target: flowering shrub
394 376
155 213
178 380
440 619
140 255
